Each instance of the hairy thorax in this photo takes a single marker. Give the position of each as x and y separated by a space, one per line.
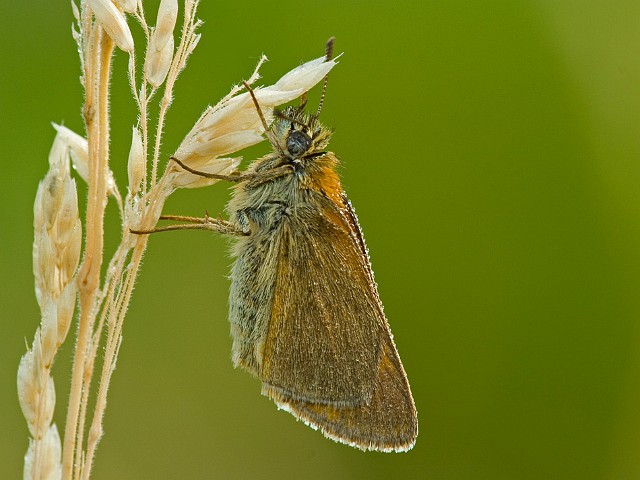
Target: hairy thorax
261 207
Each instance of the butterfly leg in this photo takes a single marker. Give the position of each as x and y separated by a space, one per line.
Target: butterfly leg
196 223
254 179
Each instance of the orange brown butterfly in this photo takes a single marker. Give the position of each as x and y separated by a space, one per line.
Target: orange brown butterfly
305 314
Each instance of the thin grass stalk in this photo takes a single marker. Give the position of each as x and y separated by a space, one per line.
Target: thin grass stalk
111 285
89 275
110 358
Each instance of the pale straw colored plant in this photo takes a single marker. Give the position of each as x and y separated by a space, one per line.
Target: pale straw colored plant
229 126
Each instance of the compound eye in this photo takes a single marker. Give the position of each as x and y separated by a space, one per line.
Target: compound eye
297 143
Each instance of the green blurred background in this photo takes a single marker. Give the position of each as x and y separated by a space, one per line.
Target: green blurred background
492 151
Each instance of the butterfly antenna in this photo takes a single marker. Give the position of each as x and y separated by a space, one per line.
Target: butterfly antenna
255 102
328 55
267 132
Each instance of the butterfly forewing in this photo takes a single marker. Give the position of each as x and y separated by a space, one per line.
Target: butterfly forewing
323 336
386 420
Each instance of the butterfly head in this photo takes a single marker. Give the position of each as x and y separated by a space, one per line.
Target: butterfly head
300 134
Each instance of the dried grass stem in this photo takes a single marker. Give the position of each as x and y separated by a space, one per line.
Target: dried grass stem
89 274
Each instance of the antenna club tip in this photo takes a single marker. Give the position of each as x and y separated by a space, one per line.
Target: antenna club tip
329 48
